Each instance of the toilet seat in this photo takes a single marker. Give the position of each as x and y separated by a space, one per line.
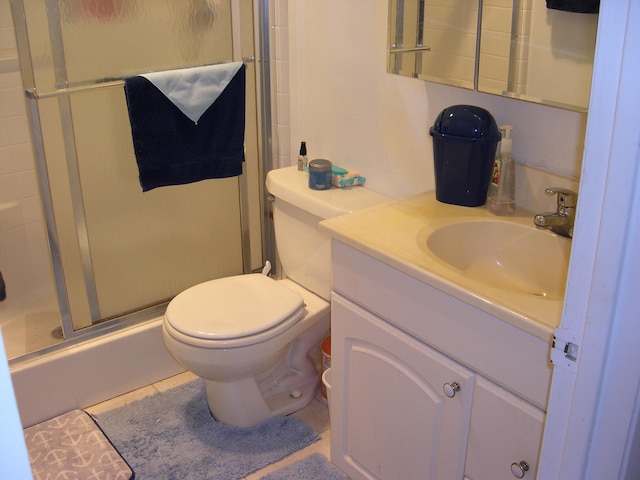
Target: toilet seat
233 311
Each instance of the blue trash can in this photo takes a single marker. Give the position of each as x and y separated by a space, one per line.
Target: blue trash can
465 138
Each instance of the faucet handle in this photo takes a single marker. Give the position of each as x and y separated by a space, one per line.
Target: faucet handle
566 198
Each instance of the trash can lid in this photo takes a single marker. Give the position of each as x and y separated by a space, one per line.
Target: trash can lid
466 122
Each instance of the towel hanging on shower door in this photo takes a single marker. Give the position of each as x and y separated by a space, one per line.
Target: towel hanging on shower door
577 6
187 125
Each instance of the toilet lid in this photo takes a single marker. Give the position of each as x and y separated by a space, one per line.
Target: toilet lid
232 307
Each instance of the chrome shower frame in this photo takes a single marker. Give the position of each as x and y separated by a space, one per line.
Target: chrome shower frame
100 326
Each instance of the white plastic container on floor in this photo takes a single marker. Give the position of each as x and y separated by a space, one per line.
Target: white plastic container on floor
326 381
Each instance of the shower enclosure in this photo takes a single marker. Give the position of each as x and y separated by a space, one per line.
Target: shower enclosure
118 254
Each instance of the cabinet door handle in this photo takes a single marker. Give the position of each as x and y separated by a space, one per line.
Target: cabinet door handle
519 469
450 389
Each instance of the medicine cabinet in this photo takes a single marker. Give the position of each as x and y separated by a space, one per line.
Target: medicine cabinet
514 48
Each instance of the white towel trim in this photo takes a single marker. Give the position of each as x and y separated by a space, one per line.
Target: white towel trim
193 90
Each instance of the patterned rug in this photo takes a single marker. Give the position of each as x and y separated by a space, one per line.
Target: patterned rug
73 446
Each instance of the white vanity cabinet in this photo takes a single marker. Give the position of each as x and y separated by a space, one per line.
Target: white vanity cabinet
396 420
425 386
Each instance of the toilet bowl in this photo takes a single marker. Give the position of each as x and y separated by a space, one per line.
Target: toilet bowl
253 339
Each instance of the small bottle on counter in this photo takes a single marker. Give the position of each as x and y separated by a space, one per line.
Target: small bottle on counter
303 164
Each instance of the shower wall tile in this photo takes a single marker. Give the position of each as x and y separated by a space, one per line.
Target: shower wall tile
18 186
282 100
11 77
7 37
25 260
12 101
14 129
280 88
10 217
280 13
282 76
7 163
16 158
16 269
281 148
5 14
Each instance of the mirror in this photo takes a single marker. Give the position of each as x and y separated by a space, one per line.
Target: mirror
515 48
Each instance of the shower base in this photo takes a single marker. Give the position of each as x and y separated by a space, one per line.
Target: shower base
91 372
24 333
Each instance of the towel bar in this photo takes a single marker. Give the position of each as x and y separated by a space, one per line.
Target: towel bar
409 50
32 94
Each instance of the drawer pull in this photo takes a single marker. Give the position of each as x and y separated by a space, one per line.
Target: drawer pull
450 389
519 469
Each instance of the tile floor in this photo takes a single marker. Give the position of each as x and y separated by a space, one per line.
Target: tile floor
316 415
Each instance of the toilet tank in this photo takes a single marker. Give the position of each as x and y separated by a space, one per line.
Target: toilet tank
305 253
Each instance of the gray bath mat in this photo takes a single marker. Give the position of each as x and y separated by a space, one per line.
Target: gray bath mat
313 467
72 446
171 435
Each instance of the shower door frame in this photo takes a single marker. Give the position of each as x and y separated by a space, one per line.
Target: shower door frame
259 57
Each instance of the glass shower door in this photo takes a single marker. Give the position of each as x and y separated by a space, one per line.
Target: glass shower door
117 250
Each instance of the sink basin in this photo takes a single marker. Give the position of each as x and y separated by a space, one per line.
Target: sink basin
505 255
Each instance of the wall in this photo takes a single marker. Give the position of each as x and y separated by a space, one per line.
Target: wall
349 110
24 257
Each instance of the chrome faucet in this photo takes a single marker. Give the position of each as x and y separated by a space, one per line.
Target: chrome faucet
562 220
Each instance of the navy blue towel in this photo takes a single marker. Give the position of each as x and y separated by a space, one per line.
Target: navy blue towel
171 149
577 6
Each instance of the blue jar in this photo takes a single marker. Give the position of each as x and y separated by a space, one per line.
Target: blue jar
319 174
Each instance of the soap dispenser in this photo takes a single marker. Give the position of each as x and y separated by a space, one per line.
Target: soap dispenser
501 199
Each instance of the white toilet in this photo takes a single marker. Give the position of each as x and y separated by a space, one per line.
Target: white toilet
253 339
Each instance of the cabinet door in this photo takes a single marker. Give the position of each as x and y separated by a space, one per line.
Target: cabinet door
390 416
504 430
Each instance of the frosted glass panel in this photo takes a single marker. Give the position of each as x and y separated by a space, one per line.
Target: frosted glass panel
143 248
83 41
119 249
146 247
119 37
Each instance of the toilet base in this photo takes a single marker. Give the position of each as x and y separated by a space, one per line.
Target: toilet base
283 389
243 404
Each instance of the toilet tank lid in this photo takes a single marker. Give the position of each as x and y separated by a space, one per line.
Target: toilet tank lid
292 186
232 307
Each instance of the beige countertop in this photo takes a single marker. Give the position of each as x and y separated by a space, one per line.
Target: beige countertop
396 233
